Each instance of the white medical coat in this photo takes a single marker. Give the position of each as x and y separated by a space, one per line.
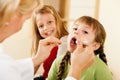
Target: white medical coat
11 69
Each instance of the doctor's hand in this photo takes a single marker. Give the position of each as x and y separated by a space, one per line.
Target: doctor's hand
82 58
44 48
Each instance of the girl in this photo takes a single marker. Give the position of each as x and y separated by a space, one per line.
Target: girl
90 33
47 22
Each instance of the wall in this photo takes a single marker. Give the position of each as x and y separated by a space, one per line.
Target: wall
110 17
79 8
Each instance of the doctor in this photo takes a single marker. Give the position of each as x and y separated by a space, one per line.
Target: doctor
12 16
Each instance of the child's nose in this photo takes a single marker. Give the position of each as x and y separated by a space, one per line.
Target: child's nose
45 27
78 32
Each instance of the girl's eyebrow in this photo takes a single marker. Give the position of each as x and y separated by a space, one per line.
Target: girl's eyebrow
75 25
83 26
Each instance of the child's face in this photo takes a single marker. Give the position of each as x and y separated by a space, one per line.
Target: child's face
46 25
82 33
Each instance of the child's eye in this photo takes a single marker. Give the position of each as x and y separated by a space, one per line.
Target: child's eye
74 29
40 26
85 32
49 22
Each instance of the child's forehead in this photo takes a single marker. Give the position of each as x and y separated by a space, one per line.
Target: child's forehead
81 25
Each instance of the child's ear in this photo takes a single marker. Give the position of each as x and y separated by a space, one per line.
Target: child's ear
96 45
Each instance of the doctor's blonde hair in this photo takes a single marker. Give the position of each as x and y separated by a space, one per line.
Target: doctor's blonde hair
8 7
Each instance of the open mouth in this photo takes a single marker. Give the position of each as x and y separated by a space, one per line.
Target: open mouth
73 42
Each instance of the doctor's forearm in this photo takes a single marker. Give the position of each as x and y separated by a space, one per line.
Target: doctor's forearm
74 74
36 61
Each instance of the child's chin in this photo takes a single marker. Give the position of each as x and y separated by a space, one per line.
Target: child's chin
71 50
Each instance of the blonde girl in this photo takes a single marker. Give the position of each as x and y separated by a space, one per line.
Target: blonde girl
47 22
